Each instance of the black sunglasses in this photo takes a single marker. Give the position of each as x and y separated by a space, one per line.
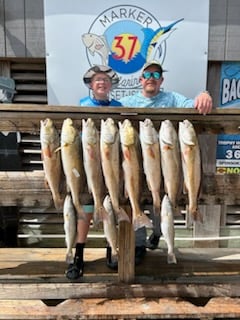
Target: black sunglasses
155 75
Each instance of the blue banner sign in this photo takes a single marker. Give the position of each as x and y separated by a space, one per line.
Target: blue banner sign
230 85
228 154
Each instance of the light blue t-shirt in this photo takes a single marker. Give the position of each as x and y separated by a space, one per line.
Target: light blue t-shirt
161 100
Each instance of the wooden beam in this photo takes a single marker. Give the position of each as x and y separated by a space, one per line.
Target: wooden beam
163 308
26 118
13 291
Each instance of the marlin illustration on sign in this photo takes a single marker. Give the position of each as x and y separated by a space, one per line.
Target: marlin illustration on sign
153 39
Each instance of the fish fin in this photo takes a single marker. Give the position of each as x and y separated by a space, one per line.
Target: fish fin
69 257
151 152
90 152
142 221
156 211
167 147
171 258
121 215
46 152
107 152
127 154
58 149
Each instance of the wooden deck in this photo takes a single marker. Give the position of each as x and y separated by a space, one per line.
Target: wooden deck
204 284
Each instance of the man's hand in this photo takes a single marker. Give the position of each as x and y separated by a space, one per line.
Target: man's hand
203 103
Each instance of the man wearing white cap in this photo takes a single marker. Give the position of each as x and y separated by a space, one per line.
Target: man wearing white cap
151 96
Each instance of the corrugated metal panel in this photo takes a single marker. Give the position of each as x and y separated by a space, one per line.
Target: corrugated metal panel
22 29
233 31
2 35
217 29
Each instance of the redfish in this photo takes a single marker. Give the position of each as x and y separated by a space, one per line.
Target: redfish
131 169
51 157
72 163
93 169
191 164
109 148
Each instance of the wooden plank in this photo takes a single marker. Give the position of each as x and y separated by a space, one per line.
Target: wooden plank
25 188
126 267
214 72
164 308
5 69
26 118
15 28
2 31
39 274
37 65
34 17
21 98
207 145
29 76
31 87
27 291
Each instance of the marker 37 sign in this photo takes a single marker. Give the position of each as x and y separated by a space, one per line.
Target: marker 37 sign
125 37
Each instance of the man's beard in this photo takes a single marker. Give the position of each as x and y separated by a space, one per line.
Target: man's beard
150 89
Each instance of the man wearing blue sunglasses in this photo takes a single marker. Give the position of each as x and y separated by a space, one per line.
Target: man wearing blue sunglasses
151 96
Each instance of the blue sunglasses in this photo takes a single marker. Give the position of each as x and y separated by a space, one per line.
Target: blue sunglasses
155 75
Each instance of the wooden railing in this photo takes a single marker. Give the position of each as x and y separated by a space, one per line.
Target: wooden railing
27 189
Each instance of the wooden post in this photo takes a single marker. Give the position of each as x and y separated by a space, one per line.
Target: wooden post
209 228
126 265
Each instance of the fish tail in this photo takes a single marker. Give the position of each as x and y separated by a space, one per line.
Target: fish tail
122 215
176 211
193 215
197 216
80 213
100 214
142 220
171 258
58 202
156 210
69 257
